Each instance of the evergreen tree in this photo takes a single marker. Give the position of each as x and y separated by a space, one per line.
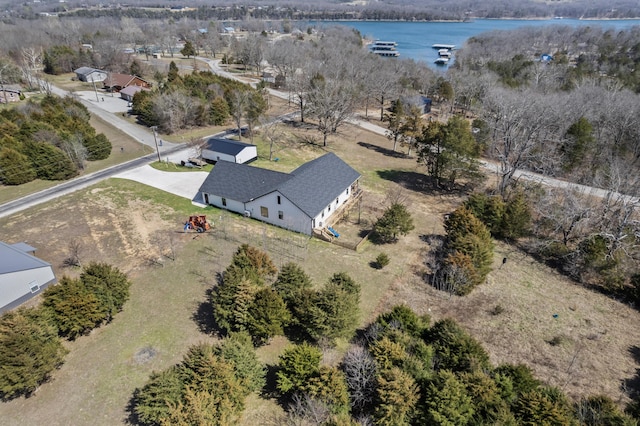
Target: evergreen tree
152 402
291 281
455 349
329 387
109 285
15 168
75 310
538 407
267 315
29 351
218 111
403 317
297 365
579 140
173 76
238 350
188 49
395 221
339 302
397 396
468 235
446 401
98 147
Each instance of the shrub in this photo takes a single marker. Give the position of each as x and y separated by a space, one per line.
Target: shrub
394 222
382 260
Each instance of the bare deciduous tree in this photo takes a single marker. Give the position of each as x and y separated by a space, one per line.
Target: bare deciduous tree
360 372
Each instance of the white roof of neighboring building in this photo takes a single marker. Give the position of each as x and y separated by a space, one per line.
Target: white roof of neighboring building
13 259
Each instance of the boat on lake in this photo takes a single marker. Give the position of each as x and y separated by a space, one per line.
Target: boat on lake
443 46
441 61
384 48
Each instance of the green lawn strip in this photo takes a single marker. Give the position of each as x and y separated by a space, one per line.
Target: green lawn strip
172 167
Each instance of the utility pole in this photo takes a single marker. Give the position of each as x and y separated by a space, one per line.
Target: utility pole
93 80
154 128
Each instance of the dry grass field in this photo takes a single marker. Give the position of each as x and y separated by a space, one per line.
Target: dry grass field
584 349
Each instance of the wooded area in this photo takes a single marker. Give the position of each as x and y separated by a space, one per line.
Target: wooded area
332 9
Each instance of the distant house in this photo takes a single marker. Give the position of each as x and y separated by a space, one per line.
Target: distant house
116 82
301 201
218 149
422 102
90 75
22 275
128 92
9 94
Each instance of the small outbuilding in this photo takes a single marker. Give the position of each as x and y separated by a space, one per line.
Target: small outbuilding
22 275
90 75
218 149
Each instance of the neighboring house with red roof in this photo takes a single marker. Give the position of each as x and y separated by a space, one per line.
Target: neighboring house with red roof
302 201
116 82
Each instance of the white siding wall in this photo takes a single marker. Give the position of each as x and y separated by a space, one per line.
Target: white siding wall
14 285
97 76
215 156
247 154
292 217
328 211
232 205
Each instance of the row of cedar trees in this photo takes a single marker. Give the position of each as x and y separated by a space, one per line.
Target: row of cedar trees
400 370
50 140
30 338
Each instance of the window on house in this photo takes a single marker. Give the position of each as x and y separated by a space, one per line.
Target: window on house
34 287
280 214
328 209
322 213
337 201
264 212
347 191
224 202
279 201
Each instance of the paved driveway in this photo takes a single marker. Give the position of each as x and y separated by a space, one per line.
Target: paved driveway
182 184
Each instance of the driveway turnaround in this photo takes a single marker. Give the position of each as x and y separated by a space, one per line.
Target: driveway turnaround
182 184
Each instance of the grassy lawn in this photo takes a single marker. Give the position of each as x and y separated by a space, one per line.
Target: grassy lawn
139 229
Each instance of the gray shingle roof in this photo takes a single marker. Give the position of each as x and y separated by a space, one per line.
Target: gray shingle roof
13 259
311 187
241 182
85 70
315 184
226 146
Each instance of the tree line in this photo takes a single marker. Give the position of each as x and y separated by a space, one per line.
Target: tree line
50 140
329 10
401 370
30 338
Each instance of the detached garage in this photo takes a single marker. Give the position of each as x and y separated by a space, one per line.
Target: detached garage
229 150
22 275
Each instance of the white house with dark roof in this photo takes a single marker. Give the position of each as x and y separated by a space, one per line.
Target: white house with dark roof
301 201
218 149
22 275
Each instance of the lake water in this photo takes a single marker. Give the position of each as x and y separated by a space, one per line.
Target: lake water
416 38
